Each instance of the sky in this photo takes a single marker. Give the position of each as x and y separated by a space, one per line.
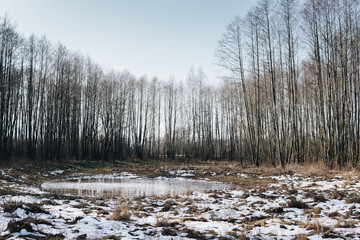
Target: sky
146 37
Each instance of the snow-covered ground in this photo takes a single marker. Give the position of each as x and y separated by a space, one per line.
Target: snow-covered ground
291 207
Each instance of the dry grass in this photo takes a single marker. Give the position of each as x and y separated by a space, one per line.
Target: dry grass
35 208
113 237
227 172
11 206
76 219
175 212
353 198
351 211
319 198
169 232
164 222
276 210
317 210
194 234
168 205
192 209
346 224
300 237
316 227
250 224
349 224
310 169
234 235
333 214
313 211
337 195
294 203
48 202
17 226
121 213
82 205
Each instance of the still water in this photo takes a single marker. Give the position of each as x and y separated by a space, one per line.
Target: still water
129 187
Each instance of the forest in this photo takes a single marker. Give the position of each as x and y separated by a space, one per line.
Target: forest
289 94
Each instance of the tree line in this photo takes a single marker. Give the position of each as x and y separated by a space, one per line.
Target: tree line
297 70
290 94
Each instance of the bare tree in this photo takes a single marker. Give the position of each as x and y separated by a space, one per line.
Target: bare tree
230 57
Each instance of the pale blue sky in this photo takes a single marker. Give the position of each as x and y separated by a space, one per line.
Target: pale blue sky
152 37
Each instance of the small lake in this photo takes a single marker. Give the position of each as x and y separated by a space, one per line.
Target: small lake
129 187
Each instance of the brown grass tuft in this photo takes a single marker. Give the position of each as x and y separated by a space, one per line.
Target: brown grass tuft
11 206
316 226
164 222
194 234
121 213
337 195
35 208
300 237
192 209
169 232
333 214
319 198
168 205
17 226
353 198
294 203
275 210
